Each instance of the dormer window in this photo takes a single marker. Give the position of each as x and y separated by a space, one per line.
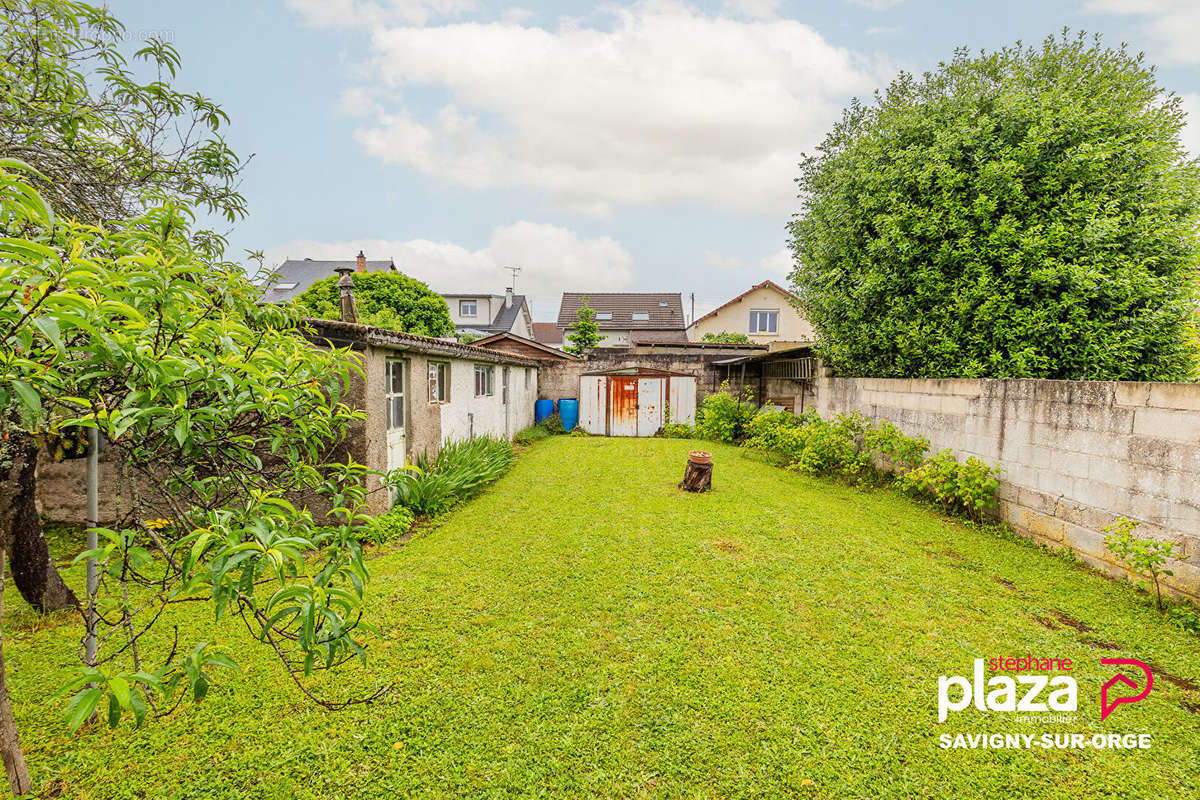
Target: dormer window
468 308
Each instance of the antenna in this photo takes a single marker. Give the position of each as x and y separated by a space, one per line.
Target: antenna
515 272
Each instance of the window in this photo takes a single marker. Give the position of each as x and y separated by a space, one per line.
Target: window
605 315
504 385
528 372
484 377
439 382
394 392
641 316
764 321
467 308
662 303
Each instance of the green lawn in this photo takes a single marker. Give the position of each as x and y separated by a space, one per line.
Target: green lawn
586 630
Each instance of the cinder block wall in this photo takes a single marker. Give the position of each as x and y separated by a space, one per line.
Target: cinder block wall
1076 455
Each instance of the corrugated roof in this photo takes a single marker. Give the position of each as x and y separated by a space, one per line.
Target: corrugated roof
664 311
340 334
293 276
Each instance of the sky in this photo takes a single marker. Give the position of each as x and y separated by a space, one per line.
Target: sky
645 146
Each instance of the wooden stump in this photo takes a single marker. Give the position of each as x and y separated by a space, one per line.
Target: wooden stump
697 477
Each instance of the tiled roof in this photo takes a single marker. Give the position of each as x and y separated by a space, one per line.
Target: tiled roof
293 276
508 336
664 310
340 334
547 333
764 285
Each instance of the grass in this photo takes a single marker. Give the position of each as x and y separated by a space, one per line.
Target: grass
583 629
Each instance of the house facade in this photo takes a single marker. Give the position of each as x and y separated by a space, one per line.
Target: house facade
486 314
765 313
419 393
627 319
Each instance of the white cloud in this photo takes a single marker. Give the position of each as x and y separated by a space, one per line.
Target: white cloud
779 264
1174 25
366 13
551 259
883 30
876 5
754 9
1191 133
665 104
722 261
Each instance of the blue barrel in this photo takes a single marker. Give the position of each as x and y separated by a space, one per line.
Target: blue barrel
568 411
542 409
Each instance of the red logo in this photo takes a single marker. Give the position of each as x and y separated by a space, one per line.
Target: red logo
1107 707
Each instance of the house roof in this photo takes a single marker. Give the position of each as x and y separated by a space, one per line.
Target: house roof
658 337
292 277
664 310
341 334
512 337
505 317
547 333
768 284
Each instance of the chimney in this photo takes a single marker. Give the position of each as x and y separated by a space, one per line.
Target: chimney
508 297
361 262
346 291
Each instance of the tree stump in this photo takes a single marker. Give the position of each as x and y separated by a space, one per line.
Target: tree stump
697 477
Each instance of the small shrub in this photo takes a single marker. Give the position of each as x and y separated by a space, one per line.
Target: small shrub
1143 556
530 435
901 453
1185 617
724 417
388 526
578 431
967 488
553 424
459 472
678 430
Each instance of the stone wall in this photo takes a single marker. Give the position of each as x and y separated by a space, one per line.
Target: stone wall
1075 455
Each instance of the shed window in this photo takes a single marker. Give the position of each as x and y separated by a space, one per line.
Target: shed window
641 316
394 392
528 371
764 321
439 382
467 308
484 380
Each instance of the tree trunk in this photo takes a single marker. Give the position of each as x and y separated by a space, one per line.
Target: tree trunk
697 477
34 573
10 742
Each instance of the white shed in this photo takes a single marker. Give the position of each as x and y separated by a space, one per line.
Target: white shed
636 401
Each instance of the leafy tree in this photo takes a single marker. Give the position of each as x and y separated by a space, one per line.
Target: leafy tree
725 337
1024 213
101 139
386 300
106 145
585 333
218 407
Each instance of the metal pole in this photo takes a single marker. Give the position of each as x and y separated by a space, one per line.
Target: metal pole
93 521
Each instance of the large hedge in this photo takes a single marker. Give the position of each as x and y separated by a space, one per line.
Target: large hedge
384 299
1024 213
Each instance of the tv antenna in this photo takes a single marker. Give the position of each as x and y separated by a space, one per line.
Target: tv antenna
515 272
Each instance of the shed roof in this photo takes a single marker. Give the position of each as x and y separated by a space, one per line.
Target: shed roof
641 372
551 352
341 334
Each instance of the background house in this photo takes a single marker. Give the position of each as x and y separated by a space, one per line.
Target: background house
487 314
626 319
292 277
765 312
548 333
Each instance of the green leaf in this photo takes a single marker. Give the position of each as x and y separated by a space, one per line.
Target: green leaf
81 706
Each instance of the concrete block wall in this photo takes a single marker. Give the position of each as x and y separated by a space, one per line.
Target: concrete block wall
1075 455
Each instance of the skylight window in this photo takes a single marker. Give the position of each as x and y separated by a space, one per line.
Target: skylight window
286 286
662 303
604 315
641 316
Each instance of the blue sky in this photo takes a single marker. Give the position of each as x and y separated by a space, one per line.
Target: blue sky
645 146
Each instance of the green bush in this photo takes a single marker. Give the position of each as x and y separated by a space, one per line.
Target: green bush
553 424
901 453
724 417
678 430
388 526
1029 213
531 434
459 472
967 488
1143 556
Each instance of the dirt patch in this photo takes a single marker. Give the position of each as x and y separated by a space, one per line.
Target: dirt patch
1186 684
1068 620
1005 582
953 556
1046 623
727 546
1100 644
1193 708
